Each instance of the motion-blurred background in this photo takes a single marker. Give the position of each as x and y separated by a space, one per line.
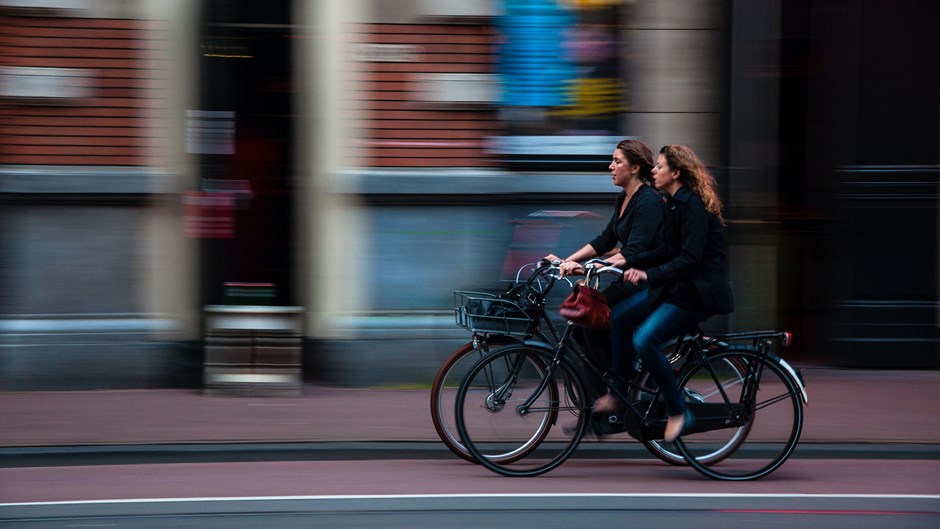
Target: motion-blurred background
238 193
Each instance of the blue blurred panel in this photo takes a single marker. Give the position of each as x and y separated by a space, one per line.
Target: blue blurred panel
532 58
429 251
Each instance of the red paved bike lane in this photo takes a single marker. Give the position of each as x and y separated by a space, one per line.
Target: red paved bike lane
845 406
452 477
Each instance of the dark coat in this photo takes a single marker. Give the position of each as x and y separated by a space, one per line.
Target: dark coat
638 229
689 268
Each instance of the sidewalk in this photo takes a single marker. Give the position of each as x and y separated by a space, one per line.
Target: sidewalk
845 406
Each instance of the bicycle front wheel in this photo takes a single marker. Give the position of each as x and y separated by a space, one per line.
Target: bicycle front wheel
444 392
763 397
515 401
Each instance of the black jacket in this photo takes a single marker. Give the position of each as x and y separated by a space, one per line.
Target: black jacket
689 268
638 229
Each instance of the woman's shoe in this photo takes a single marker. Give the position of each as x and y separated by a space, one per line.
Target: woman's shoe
607 415
676 425
607 404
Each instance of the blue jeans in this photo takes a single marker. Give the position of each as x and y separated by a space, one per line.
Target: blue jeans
654 326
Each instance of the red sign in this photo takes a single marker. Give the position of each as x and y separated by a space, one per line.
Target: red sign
209 215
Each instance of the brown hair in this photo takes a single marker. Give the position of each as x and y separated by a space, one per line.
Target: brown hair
638 153
692 172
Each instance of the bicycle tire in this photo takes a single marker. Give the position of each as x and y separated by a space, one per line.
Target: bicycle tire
445 385
489 412
775 414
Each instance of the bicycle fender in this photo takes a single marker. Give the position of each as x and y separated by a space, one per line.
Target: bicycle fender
538 343
796 378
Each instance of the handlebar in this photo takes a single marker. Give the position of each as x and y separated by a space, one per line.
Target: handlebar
543 269
592 272
551 270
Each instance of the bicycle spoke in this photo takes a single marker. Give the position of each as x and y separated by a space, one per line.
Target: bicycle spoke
722 390
772 400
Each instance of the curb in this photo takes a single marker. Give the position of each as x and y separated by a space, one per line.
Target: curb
21 457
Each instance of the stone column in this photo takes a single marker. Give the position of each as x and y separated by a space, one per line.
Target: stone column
676 74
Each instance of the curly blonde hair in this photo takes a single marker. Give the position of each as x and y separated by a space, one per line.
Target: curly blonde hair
693 173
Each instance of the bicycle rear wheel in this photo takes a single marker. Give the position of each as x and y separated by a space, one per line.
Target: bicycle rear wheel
774 414
509 404
444 392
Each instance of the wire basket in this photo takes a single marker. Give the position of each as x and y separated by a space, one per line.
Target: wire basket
488 313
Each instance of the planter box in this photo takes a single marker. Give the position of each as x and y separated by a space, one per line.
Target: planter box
253 350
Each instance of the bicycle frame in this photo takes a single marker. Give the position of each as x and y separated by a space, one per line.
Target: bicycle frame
558 357
691 347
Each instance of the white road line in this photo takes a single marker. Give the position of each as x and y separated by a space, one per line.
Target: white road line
491 496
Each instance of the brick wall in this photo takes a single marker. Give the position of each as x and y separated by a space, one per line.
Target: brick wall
114 122
395 128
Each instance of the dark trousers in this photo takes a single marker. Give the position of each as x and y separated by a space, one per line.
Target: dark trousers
639 328
597 342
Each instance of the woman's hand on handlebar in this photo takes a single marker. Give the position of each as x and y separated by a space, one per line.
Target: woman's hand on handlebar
634 276
571 268
616 260
565 268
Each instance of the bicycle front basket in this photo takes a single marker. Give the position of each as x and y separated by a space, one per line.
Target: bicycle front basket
488 313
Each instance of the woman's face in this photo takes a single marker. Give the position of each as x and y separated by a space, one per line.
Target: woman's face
665 178
622 171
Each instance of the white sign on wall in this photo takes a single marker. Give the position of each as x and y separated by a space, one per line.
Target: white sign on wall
210 132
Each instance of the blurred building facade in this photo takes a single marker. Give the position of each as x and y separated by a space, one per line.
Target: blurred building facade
90 175
361 160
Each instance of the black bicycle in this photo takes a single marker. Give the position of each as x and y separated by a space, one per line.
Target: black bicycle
747 401
512 317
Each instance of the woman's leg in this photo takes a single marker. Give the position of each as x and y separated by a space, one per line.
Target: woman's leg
597 341
624 316
666 321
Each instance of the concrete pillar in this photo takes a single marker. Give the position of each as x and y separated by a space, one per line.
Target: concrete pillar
675 51
172 278
677 73
329 258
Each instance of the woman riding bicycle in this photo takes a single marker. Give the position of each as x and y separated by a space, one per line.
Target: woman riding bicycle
636 218
686 275
634 225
